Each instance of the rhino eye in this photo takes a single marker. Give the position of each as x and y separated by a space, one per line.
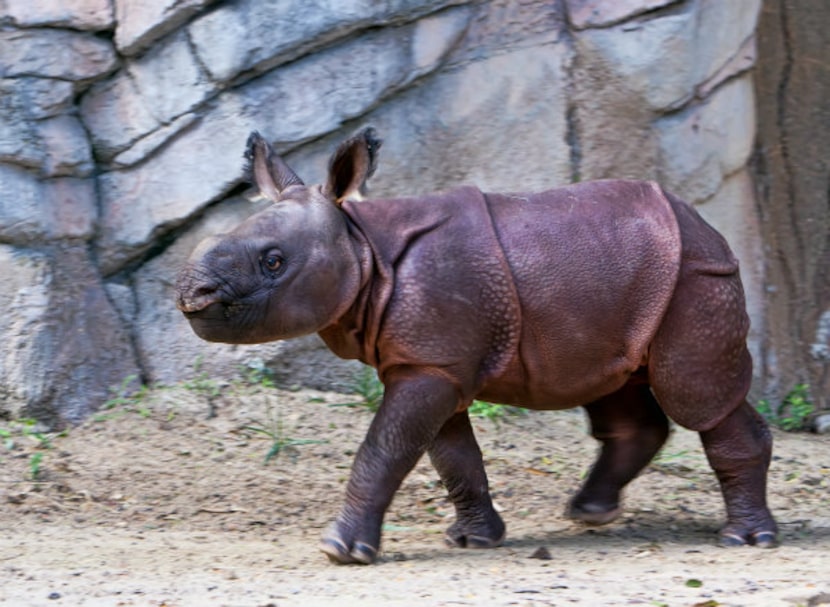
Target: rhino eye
272 261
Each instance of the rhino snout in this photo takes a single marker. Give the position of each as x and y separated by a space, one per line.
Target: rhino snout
192 298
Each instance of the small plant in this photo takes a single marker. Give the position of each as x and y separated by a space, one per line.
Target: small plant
369 388
202 383
8 441
125 395
258 374
492 411
793 413
28 428
486 410
274 429
34 465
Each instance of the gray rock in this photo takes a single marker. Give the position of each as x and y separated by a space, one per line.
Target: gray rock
599 13
115 115
54 146
40 97
240 37
169 80
145 146
652 55
66 147
143 22
707 141
18 138
522 94
93 15
34 211
53 53
204 161
611 131
64 344
822 424
142 202
742 61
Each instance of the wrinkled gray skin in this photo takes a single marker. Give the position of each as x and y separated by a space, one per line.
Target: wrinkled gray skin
611 295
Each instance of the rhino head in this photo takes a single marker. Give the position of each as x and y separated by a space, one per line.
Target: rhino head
289 270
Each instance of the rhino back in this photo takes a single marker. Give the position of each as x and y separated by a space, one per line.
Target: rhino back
594 266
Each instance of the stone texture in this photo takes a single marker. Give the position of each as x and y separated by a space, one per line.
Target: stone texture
741 62
239 37
33 52
55 146
18 137
39 97
34 210
522 96
143 22
145 146
169 79
652 55
598 13
500 25
64 344
115 115
298 102
792 172
702 144
66 147
79 14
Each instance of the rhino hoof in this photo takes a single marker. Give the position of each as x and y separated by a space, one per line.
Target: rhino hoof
764 539
761 539
593 515
338 552
730 540
472 541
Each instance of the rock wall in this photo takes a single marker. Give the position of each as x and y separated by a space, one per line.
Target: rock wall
122 124
792 165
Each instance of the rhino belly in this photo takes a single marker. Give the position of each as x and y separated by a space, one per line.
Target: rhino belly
594 265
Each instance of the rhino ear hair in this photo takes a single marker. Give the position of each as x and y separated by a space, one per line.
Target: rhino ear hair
354 161
266 169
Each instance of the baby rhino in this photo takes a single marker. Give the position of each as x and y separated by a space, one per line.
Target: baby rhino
611 295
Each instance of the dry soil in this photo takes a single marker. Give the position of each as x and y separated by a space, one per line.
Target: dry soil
167 501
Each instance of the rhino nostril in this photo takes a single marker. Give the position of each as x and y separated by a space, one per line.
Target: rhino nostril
205 291
197 298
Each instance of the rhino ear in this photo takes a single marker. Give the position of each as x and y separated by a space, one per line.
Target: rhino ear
351 165
266 169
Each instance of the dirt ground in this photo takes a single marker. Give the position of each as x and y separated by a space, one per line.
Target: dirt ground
166 501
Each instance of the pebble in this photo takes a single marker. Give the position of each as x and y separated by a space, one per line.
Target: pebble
822 424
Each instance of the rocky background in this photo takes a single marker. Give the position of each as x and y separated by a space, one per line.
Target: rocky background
122 124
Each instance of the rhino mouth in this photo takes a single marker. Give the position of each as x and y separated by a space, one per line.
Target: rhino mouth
193 304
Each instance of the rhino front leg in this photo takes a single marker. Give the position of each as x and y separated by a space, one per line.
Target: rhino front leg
632 428
415 407
457 458
739 450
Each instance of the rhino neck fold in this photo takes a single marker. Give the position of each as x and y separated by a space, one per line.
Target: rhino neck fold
354 333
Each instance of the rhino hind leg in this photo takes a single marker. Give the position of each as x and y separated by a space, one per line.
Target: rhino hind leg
632 428
739 450
700 371
456 456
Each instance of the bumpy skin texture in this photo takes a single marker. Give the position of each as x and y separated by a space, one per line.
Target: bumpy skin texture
612 295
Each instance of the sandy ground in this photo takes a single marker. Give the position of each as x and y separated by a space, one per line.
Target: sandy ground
166 501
